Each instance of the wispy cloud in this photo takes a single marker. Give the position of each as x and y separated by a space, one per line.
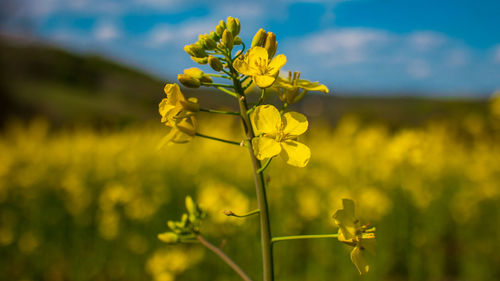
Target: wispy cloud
105 31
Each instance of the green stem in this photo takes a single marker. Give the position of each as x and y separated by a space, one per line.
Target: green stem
233 94
261 170
218 139
224 257
262 94
300 237
218 75
260 183
218 85
219 111
285 106
231 214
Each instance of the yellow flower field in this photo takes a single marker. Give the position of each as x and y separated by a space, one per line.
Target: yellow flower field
87 204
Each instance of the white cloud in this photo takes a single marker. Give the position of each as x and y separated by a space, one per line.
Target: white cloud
106 31
426 40
179 34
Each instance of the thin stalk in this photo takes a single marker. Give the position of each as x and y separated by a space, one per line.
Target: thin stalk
218 76
261 99
260 183
224 257
219 111
231 214
261 170
233 94
218 139
218 85
301 237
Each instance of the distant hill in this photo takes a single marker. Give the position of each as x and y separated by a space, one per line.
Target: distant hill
68 88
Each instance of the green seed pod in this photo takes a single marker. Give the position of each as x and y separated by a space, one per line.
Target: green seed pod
206 42
215 63
233 25
227 39
271 45
259 38
169 237
237 41
188 81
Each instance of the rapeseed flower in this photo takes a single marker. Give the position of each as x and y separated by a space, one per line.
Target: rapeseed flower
276 134
178 113
352 233
293 89
256 63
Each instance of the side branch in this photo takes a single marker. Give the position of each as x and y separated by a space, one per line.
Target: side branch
231 214
224 257
219 139
301 237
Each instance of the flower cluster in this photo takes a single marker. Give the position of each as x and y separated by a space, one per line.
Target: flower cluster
187 228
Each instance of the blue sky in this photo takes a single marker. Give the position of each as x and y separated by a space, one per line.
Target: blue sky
450 48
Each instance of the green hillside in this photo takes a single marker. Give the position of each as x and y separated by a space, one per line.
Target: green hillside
69 88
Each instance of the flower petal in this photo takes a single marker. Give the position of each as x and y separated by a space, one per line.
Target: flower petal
241 65
264 81
346 221
313 86
276 64
266 119
359 260
257 57
295 124
265 147
174 94
295 153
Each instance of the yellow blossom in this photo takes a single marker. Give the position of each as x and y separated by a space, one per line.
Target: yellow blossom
178 113
276 134
256 63
352 233
293 89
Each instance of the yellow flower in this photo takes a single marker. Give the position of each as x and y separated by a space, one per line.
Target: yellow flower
276 134
352 233
178 113
293 89
256 63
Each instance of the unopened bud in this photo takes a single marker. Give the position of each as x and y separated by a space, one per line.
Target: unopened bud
219 29
271 45
233 25
200 60
190 205
237 41
207 42
215 63
169 237
259 38
214 36
195 50
188 81
227 39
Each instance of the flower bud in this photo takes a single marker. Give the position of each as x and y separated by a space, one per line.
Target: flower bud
206 42
190 205
214 36
227 39
214 63
237 41
188 81
195 50
169 237
259 38
233 25
271 45
200 60
219 29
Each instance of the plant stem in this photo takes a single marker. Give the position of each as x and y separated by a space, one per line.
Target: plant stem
265 227
262 94
251 213
224 257
261 170
219 111
218 85
227 92
299 237
218 139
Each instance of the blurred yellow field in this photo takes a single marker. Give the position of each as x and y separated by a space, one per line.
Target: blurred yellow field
87 205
